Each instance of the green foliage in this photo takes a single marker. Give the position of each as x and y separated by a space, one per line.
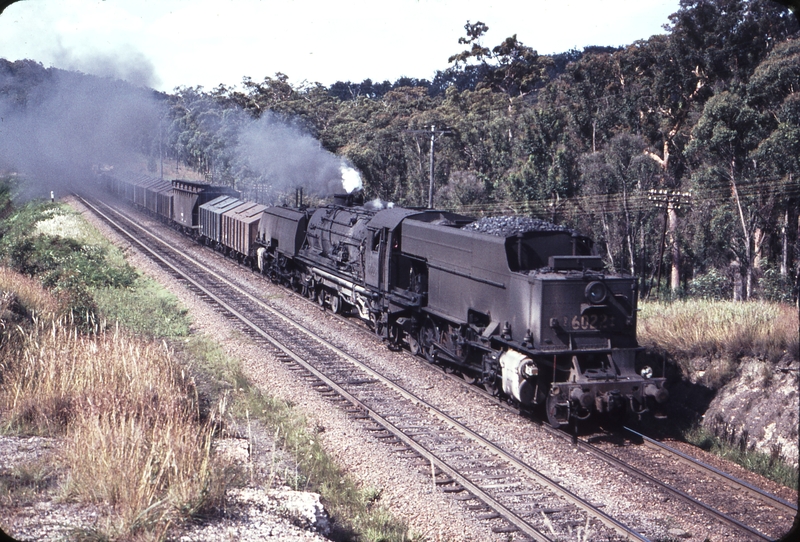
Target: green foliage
711 286
581 138
776 287
71 267
770 466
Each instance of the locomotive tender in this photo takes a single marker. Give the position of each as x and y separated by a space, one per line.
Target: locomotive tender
519 306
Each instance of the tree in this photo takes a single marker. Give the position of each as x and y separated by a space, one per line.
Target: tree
511 67
614 182
723 138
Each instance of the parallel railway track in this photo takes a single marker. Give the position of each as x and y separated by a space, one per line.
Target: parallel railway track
520 500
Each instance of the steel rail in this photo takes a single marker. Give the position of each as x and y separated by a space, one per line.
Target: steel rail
767 498
519 522
638 473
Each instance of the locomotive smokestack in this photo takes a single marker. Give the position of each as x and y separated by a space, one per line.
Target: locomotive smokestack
349 200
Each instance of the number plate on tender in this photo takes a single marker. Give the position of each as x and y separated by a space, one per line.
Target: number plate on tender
587 322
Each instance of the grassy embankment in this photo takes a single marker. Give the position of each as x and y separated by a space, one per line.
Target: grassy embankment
724 333
138 438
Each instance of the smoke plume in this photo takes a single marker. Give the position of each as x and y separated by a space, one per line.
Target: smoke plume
56 126
286 158
127 64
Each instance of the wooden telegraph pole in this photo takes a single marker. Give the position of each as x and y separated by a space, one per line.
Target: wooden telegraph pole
434 134
670 201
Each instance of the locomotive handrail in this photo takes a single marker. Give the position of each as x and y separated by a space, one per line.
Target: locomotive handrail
467 275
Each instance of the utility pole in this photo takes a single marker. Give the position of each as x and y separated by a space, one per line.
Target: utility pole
670 201
435 134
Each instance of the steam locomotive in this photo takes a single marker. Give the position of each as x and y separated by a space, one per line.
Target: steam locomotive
519 306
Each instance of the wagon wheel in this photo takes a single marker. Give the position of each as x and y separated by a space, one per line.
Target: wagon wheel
428 337
377 326
321 295
491 388
555 411
305 291
336 303
413 344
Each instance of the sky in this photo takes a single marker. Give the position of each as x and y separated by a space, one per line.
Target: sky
165 44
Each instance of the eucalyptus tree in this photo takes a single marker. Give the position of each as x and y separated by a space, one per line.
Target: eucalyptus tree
774 89
723 139
615 182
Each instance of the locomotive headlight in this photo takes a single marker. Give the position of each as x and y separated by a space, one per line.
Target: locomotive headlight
646 372
596 292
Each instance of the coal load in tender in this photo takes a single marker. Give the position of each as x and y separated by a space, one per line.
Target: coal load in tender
505 226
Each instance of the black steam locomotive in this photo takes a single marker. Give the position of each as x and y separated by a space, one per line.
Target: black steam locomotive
518 305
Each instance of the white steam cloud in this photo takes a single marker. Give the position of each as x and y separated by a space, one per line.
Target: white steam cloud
351 178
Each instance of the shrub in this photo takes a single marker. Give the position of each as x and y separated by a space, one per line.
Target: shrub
776 287
38 243
711 286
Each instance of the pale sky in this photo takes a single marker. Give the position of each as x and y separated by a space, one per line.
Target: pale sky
171 43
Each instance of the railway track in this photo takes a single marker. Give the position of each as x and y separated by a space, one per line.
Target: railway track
744 508
504 491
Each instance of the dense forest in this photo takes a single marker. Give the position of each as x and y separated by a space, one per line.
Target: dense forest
679 155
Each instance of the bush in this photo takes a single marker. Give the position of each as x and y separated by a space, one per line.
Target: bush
776 287
50 243
711 286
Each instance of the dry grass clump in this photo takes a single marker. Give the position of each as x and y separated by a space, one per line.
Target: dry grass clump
697 328
28 295
136 441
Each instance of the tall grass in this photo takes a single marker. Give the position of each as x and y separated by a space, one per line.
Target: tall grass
136 440
696 327
24 296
